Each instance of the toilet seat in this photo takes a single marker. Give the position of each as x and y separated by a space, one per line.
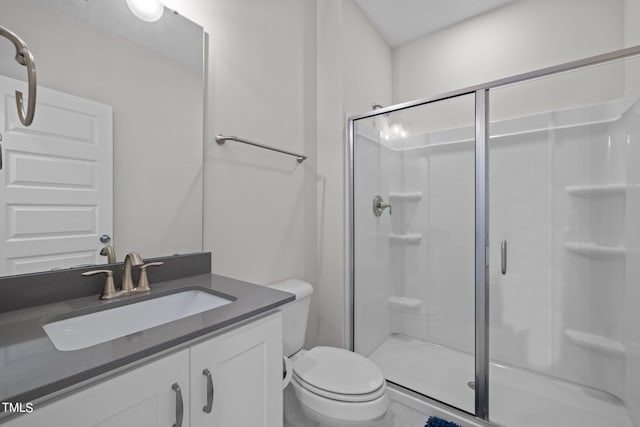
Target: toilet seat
340 396
334 372
339 384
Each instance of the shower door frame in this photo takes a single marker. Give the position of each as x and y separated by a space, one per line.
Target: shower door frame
481 298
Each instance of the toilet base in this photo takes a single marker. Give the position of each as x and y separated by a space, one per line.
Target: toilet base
297 415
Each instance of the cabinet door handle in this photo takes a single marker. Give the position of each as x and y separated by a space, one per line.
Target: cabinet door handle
207 408
179 405
503 257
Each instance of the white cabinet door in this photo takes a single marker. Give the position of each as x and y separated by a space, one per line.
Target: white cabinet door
142 397
245 365
56 184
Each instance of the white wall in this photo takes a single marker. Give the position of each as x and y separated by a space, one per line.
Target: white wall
157 144
271 79
354 71
330 115
260 207
519 37
366 62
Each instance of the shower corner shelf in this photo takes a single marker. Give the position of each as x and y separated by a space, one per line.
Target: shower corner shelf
597 190
414 196
596 342
405 302
409 239
591 249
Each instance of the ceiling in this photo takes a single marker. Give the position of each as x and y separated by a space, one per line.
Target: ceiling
400 21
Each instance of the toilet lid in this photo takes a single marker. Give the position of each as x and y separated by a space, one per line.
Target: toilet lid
338 371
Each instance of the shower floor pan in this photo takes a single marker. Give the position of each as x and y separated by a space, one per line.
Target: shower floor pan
518 398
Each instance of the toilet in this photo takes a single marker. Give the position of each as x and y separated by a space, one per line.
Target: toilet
327 386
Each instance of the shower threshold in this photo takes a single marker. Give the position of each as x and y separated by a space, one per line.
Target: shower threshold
518 398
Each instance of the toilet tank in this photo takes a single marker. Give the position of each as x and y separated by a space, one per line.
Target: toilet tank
294 313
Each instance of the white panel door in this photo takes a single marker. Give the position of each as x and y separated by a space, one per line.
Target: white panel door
142 397
56 185
246 372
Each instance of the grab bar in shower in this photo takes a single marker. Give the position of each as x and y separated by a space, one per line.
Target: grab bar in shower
24 57
222 139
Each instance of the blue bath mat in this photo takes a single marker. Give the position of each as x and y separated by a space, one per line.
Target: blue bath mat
439 422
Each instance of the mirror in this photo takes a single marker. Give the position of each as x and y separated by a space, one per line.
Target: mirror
116 145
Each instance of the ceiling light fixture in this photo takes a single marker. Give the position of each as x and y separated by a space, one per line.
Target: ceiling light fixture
147 10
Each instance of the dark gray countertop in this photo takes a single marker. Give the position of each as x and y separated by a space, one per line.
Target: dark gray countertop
32 368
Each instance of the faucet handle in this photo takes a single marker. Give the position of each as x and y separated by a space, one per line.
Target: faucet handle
379 205
143 279
109 290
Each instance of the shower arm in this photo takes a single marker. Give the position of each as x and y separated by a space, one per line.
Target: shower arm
24 57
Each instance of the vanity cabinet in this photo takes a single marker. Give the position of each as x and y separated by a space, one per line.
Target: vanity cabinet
236 378
141 397
243 387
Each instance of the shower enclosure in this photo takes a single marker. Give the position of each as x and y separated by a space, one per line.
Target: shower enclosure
503 277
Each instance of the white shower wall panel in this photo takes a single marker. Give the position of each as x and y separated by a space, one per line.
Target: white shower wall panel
631 317
443 273
441 268
409 260
376 171
450 242
548 290
588 290
519 213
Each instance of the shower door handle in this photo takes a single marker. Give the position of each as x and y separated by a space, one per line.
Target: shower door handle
503 257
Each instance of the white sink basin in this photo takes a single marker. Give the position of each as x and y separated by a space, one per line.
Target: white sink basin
80 332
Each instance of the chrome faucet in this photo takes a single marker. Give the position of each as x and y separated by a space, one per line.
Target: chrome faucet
127 288
108 250
110 253
131 259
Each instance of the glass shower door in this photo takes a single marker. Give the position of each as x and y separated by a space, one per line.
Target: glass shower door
413 219
564 240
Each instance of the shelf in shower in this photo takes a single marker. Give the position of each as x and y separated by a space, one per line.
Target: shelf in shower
405 302
596 342
591 249
414 196
408 239
597 190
